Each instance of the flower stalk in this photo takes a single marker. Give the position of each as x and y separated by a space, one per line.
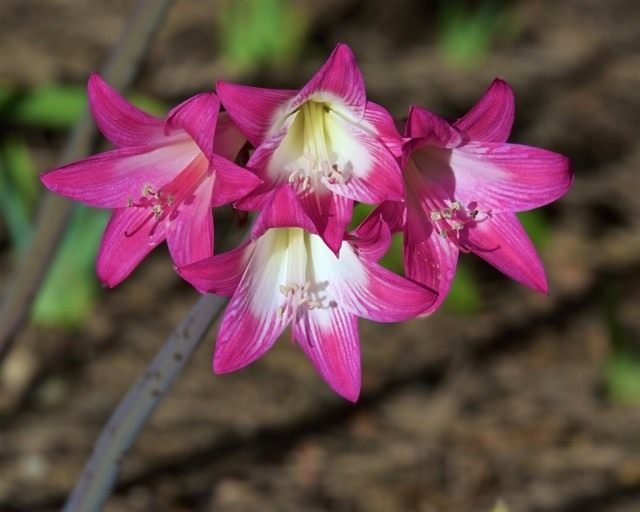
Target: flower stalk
121 431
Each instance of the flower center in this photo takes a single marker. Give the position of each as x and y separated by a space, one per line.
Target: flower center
301 287
311 131
163 204
158 203
452 220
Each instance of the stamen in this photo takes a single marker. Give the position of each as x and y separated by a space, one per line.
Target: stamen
299 298
453 219
318 160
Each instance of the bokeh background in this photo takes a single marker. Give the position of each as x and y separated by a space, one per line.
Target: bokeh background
502 393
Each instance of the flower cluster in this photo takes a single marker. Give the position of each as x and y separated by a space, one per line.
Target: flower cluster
315 152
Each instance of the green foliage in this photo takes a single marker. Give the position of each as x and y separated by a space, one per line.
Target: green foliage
622 376
70 289
467 33
464 296
622 369
260 32
18 190
48 106
55 107
537 225
500 507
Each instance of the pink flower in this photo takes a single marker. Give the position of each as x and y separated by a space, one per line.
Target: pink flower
162 180
463 184
326 141
288 275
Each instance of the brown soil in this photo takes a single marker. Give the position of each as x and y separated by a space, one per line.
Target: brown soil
456 410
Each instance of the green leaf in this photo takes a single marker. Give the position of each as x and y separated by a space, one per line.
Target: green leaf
260 32
71 287
48 106
466 34
18 190
56 107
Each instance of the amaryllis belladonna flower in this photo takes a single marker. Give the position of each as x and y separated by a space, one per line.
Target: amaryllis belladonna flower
464 184
162 180
326 141
288 275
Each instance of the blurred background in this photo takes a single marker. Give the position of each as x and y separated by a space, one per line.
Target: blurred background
502 393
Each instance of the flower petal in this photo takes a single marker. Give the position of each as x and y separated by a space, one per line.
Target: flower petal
491 118
113 178
118 120
232 182
369 170
190 230
502 241
338 79
388 297
228 140
366 289
198 116
253 109
220 274
384 127
330 214
372 237
282 211
428 129
329 337
130 235
508 177
431 261
252 321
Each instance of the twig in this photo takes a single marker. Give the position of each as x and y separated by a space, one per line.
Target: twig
55 212
122 429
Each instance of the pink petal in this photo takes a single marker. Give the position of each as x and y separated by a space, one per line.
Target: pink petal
232 182
491 118
508 177
228 140
114 178
258 164
197 116
372 237
128 238
339 78
190 233
431 261
283 211
330 214
371 172
385 128
251 322
393 213
253 109
118 120
502 241
330 339
388 297
220 274
426 128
